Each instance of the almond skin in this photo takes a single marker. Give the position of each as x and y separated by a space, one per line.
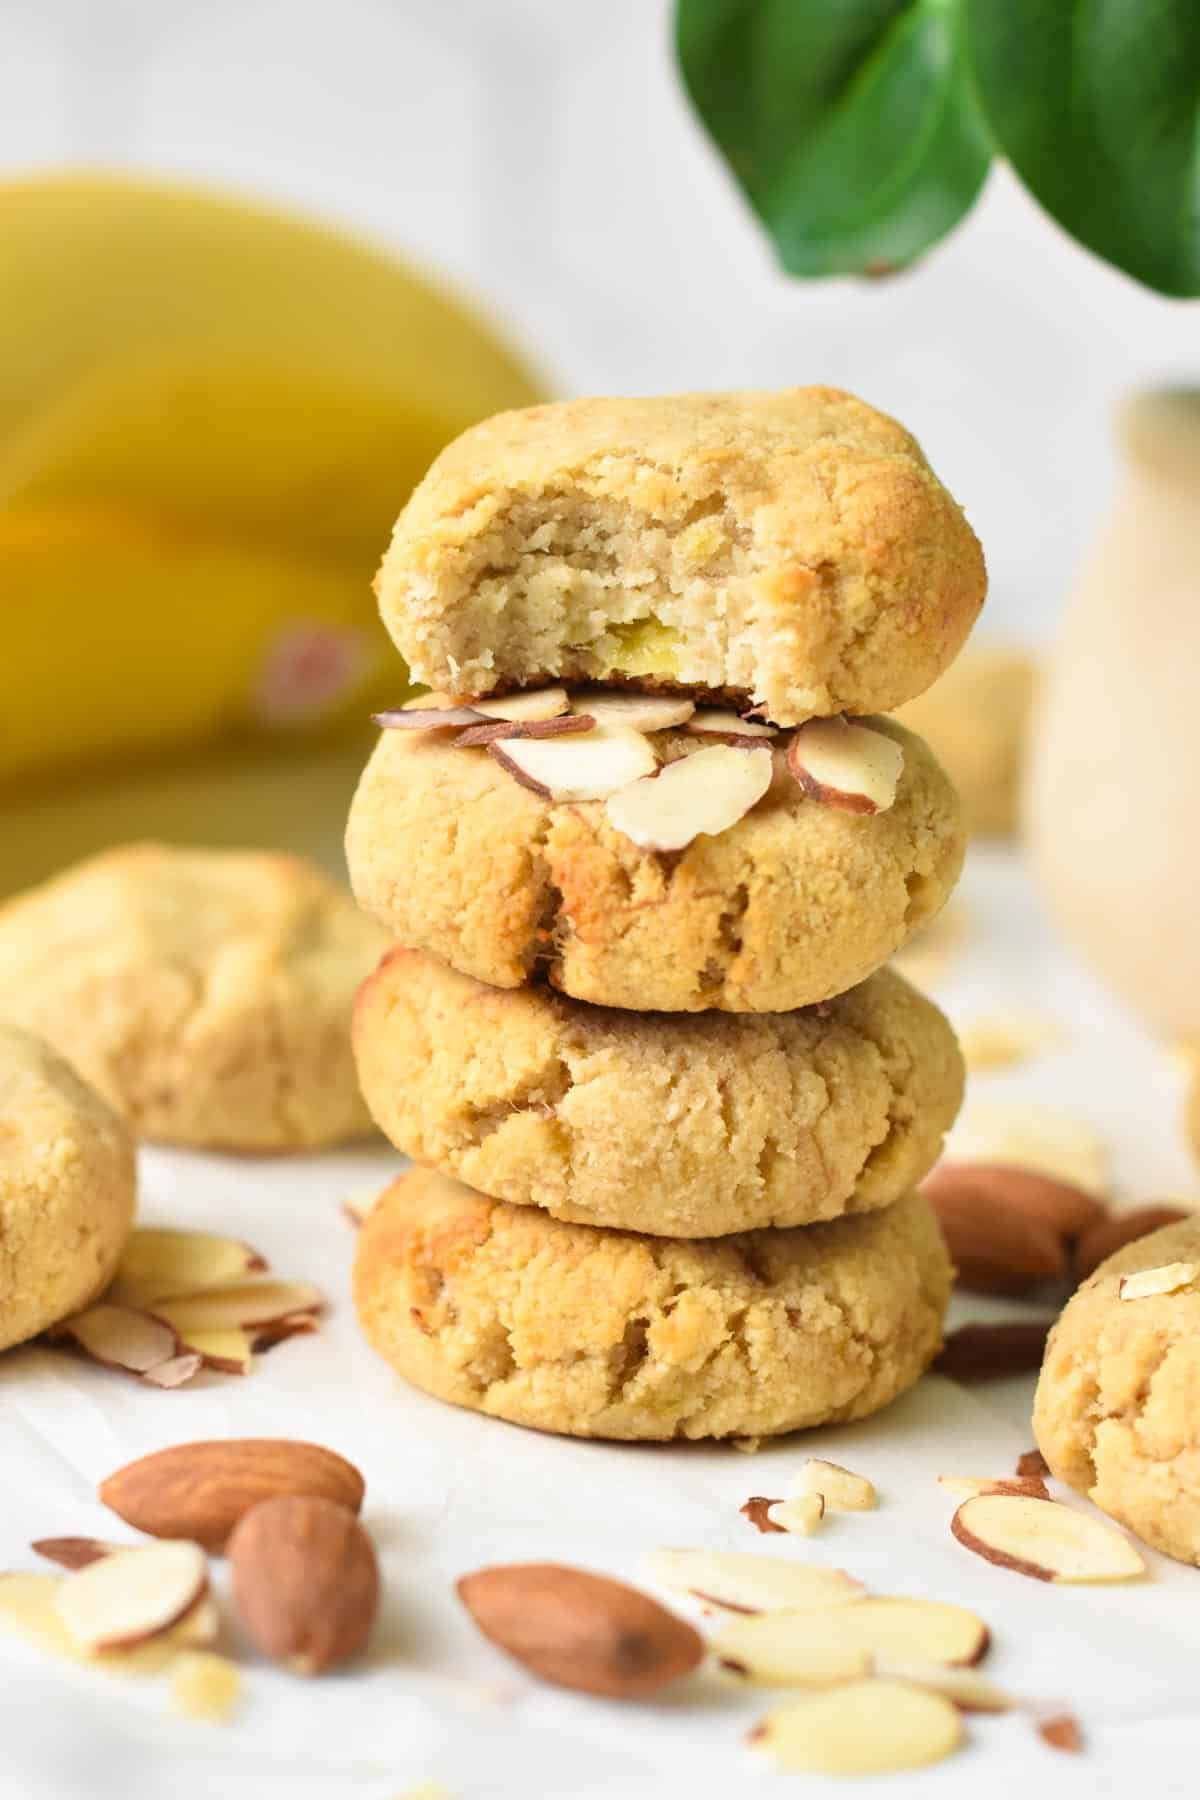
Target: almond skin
305 1580
995 1248
1061 1208
201 1490
1111 1235
579 1630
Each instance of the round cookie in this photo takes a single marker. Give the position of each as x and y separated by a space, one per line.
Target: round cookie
205 994
683 1126
68 1187
977 719
609 1334
1116 1413
1191 1106
791 550
796 902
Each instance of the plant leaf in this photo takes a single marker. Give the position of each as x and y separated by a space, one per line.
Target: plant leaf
1096 103
851 127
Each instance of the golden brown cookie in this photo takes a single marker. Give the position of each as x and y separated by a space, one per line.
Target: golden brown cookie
796 902
610 1334
977 720
68 1187
206 994
687 1126
789 550
1116 1413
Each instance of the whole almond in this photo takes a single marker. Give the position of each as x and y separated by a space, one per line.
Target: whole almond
305 1580
988 1352
1063 1209
201 1490
580 1630
995 1248
1111 1235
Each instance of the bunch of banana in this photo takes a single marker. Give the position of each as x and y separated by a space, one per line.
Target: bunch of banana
210 413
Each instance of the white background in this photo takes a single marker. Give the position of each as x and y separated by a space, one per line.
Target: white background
542 152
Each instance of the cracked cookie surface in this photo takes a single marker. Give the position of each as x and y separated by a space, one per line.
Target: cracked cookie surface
681 1125
793 904
611 1334
67 1189
1116 1414
205 994
791 550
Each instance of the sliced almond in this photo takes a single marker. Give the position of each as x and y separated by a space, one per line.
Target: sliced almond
176 1371
74 1552
757 1509
132 1595
590 766
700 795
641 712
534 703
28 1607
205 1686
159 1265
990 1352
1167 1279
841 1489
868 1727
840 1643
739 1583
240 1304
800 1515
277 1331
120 1338
728 727
427 718
1032 1486
1032 1466
1062 1733
846 765
1044 1539
230 1352
503 731
966 1688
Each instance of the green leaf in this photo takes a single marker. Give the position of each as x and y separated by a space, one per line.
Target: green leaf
850 125
1096 103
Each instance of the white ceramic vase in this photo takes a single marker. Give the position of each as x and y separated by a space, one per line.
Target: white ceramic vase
1113 802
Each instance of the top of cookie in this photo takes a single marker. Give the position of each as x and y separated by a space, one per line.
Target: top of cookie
790 551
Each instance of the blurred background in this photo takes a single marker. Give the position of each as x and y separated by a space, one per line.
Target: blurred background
540 162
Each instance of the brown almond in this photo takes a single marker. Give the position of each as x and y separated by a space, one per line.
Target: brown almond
1032 1466
580 1630
201 1490
995 1248
989 1352
305 1580
1062 1733
1112 1234
1063 1209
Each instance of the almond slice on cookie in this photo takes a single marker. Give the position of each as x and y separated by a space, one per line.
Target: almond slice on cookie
588 766
700 795
846 765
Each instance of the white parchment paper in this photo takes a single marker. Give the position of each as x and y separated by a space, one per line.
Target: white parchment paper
449 1491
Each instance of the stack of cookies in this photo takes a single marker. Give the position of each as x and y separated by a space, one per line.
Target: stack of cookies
646 848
